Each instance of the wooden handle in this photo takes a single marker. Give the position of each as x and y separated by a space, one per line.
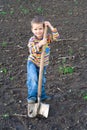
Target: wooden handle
41 66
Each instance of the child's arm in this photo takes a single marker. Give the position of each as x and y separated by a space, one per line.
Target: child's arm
35 48
55 33
41 43
31 46
47 23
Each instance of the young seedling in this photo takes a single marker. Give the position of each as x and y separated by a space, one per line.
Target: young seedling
24 10
11 78
66 69
40 10
12 11
66 21
4 44
70 51
18 0
3 13
70 12
4 70
63 60
5 116
85 96
69 70
76 2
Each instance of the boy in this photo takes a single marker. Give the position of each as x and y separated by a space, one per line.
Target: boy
33 64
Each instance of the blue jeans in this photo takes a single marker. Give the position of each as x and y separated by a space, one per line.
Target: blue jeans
32 81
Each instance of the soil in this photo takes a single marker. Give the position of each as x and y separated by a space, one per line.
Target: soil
67 71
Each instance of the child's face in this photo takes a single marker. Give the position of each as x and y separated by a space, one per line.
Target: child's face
38 30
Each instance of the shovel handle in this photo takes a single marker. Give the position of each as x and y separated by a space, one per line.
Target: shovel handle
41 66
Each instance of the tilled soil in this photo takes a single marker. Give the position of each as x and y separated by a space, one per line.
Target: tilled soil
67 71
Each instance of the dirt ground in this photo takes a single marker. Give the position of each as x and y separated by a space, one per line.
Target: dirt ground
67 71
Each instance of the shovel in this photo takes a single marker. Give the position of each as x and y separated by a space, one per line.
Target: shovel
39 108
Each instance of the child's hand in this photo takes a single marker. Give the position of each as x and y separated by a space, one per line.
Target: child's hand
41 43
47 23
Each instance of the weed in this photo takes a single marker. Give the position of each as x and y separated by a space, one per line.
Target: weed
4 44
66 21
12 12
70 12
66 69
76 2
64 60
5 116
40 10
85 96
18 0
11 78
3 12
70 51
4 70
24 10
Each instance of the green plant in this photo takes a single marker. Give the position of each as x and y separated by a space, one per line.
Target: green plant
76 2
12 12
66 69
3 70
66 21
70 12
4 44
5 116
40 10
70 51
11 78
18 0
60 69
3 12
85 96
63 60
24 10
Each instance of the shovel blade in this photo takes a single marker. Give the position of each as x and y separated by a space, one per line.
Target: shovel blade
44 110
33 110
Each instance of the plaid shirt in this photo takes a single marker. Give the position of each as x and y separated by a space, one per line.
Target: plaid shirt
35 55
